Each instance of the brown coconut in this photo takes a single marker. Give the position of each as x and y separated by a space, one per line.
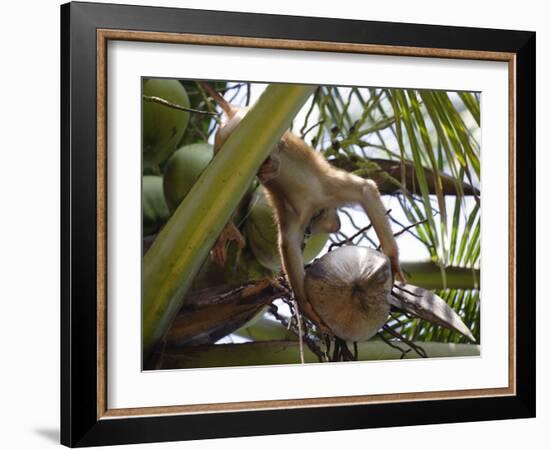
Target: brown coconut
350 289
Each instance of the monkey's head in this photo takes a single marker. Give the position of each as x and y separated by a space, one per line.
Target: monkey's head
325 221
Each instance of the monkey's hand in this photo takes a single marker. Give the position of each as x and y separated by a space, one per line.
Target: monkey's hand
229 233
396 270
269 169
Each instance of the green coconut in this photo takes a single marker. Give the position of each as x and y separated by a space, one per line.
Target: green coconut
241 266
155 210
261 234
183 169
163 126
314 245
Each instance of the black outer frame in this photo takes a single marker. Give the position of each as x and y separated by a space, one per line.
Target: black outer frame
79 423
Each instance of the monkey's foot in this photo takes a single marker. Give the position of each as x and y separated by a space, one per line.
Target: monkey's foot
277 285
269 169
219 251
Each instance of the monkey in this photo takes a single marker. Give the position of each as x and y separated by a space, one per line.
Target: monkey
305 191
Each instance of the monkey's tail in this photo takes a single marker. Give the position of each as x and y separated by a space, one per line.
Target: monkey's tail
222 102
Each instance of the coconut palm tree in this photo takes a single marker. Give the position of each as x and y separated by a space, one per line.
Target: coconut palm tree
421 147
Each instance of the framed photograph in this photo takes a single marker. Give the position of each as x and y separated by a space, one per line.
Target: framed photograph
279 224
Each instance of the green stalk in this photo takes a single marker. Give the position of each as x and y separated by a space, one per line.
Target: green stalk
428 276
288 352
177 253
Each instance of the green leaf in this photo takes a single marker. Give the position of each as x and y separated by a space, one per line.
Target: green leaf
472 104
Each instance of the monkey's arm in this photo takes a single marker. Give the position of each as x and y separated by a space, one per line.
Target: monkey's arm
291 235
373 206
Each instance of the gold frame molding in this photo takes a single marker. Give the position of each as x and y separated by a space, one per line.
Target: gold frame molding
103 36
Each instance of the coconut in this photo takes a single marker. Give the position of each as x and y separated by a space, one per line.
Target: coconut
261 234
163 126
155 210
183 169
350 288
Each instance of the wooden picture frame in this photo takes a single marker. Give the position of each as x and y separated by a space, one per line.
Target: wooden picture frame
86 418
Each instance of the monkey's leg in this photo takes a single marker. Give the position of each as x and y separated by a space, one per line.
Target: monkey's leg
291 235
371 202
229 233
